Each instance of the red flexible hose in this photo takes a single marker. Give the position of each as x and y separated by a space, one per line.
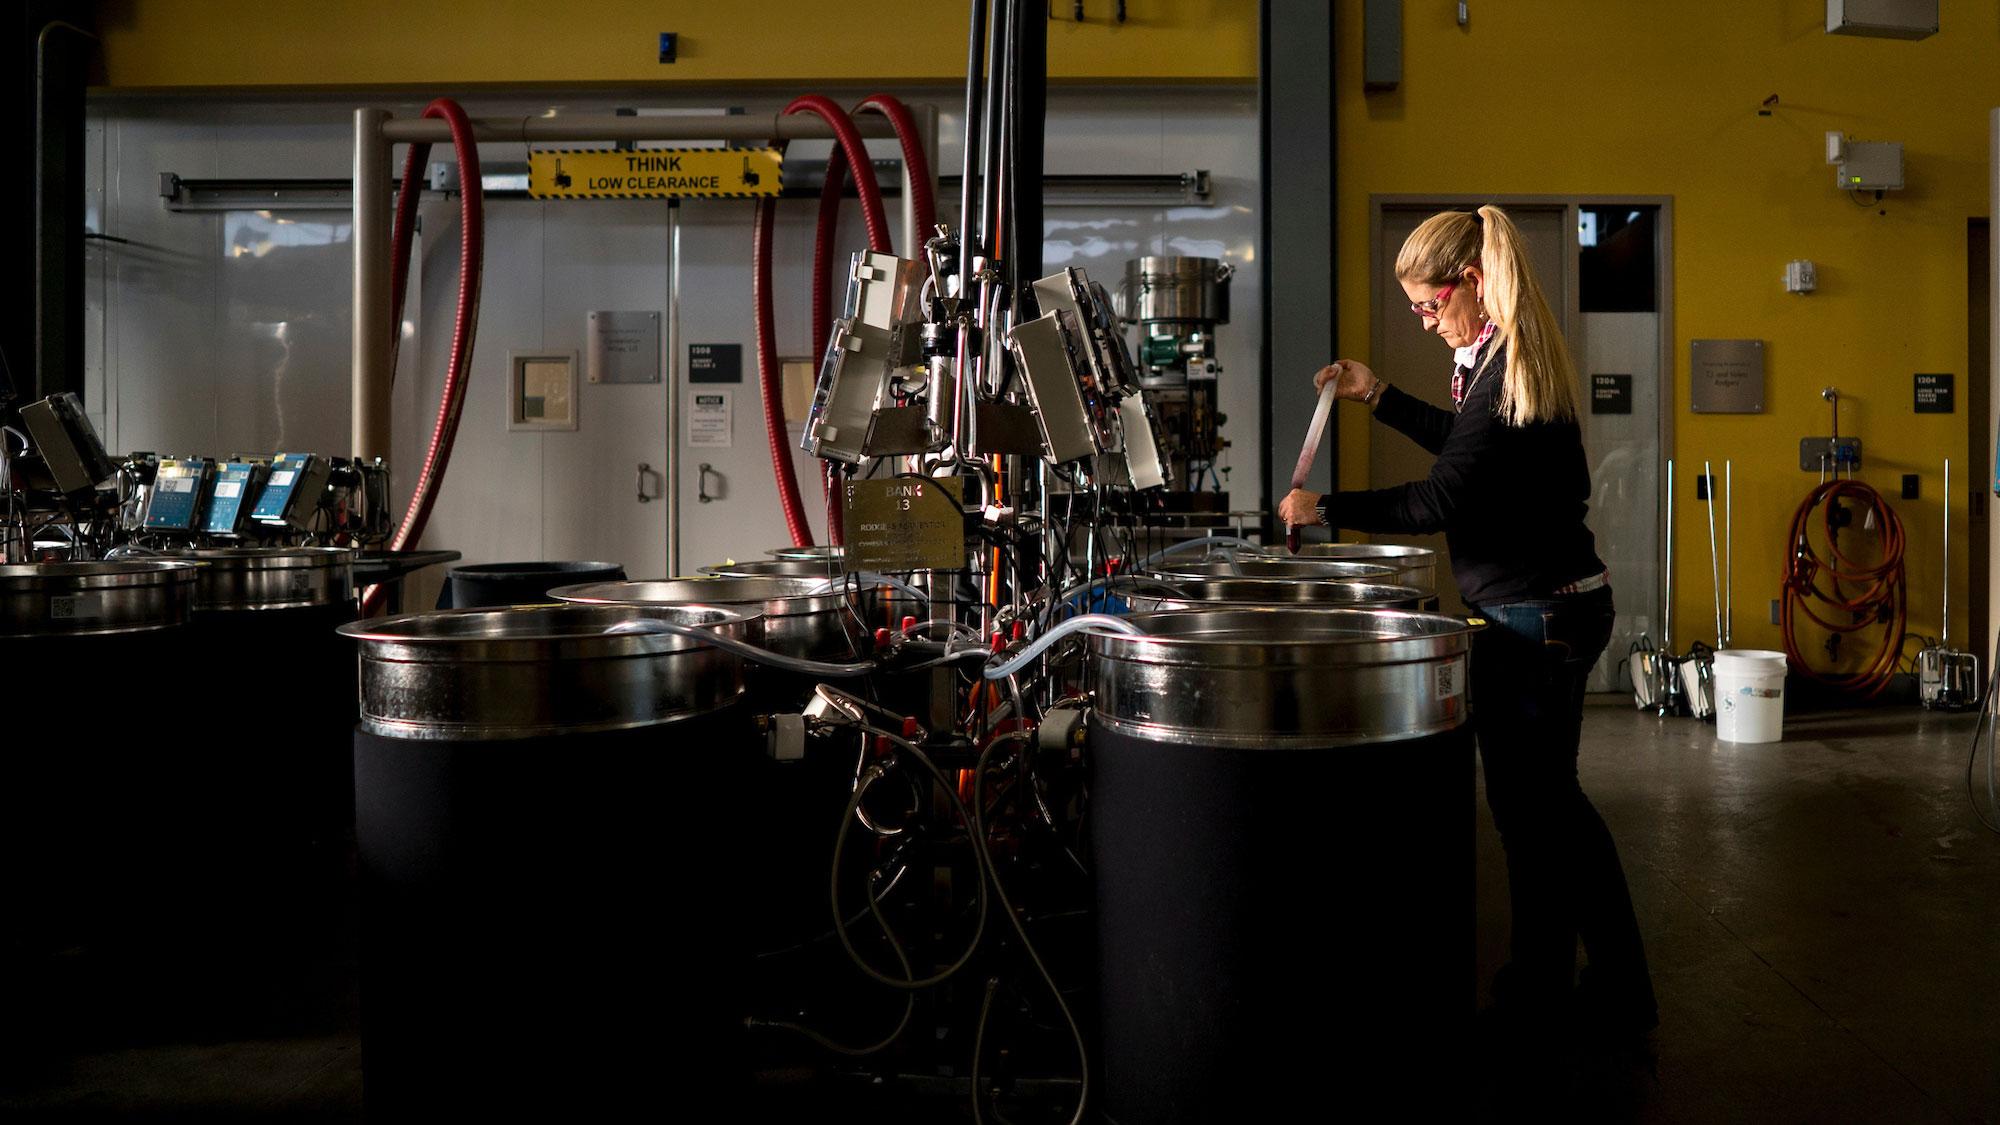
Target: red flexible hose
471 258
913 159
769 375
847 140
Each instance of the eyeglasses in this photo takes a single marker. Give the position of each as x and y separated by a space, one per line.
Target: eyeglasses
1431 308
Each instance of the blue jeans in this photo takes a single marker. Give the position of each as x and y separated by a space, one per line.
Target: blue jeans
1564 880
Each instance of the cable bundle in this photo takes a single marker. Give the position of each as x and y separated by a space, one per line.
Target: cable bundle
1868 594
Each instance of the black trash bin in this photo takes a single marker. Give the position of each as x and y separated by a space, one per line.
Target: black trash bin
518 583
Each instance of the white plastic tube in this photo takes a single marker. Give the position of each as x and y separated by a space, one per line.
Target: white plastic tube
1098 622
747 651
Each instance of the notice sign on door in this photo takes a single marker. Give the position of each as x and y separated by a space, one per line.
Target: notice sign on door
1611 394
708 418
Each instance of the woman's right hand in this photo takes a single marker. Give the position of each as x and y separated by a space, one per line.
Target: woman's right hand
1351 378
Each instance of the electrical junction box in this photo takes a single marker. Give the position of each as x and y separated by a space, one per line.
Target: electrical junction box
179 490
1883 19
292 491
234 494
1871 166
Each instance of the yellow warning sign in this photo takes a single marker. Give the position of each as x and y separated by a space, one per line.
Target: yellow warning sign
654 173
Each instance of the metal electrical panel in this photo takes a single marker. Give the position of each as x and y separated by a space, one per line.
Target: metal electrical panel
68 442
1043 357
852 415
1886 19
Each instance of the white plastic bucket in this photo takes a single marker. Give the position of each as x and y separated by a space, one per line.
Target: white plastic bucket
1749 695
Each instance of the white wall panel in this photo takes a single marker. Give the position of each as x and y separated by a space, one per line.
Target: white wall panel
230 333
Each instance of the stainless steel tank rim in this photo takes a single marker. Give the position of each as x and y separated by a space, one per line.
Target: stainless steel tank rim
389 646
271 558
410 730
1433 635
1232 740
67 577
807 600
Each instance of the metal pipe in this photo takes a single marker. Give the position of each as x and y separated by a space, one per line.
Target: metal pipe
968 176
1667 614
1728 554
1944 627
606 127
993 128
672 487
373 320
1714 576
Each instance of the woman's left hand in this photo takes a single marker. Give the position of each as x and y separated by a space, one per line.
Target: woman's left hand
1300 509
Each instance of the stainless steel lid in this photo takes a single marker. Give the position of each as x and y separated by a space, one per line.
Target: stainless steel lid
1263 676
773 597
1415 566
822 552
252 578
90 598
1198 593
802 616
1245 564
526 671
778 568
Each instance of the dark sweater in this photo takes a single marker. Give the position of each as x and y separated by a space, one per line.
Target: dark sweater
1509 499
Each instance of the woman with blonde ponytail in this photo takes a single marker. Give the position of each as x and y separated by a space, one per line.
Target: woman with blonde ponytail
1509 491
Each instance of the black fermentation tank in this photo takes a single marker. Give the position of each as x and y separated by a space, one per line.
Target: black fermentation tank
544 814
1277 812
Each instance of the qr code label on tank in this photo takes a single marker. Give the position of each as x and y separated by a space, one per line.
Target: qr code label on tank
1450 679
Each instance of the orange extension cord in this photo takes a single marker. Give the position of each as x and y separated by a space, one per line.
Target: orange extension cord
1868 595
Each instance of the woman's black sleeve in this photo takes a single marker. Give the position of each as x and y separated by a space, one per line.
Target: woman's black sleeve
1421 422
1426 505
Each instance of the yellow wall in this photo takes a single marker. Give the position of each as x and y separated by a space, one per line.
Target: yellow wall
1585 96
173 44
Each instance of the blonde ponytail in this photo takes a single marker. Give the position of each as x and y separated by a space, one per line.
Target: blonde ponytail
1539 384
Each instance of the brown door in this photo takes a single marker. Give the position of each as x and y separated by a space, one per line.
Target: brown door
1420 364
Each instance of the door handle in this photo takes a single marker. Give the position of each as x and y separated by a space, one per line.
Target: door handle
645 470
702 473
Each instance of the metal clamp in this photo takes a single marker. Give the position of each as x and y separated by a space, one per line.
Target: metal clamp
702 473
645 470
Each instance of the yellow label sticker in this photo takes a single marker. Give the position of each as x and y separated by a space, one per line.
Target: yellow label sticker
654 173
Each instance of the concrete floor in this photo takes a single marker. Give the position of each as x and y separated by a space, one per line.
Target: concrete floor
1820 915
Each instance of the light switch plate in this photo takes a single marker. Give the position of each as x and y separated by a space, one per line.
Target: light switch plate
541 391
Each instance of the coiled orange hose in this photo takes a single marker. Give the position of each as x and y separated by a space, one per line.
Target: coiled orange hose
1868 594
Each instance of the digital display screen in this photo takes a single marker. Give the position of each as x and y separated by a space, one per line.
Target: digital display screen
283 478
228 489
176 484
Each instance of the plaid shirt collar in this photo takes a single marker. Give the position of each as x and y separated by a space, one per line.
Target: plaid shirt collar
1467 361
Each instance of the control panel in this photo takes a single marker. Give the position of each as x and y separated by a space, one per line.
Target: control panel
292 491
233 497
180 488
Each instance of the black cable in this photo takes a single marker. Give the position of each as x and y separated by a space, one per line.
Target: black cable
875 908
1021 930
840 847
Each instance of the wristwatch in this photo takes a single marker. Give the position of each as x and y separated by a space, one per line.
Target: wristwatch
1374 393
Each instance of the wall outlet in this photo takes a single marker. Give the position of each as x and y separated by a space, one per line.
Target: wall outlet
1909 486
